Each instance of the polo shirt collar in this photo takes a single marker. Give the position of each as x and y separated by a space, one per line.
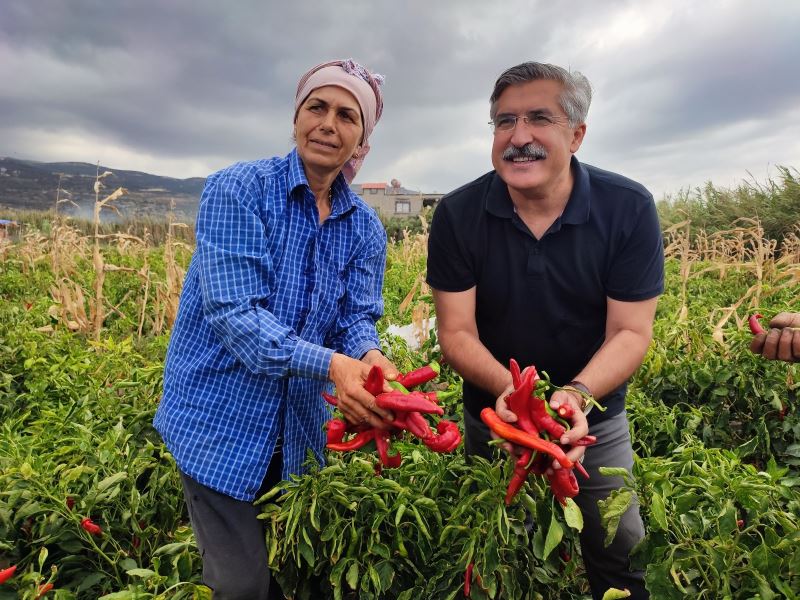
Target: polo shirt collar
341 201
499 204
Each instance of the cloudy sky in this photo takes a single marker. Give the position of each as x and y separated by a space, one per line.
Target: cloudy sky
685 92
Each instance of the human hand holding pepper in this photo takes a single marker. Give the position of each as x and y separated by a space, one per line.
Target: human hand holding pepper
782 341
579 427
355 402
390 372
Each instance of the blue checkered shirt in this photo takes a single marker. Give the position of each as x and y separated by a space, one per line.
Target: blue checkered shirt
269 295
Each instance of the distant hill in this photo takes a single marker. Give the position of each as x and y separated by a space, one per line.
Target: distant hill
31 185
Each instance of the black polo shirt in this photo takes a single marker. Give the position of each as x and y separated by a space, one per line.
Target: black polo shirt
543 301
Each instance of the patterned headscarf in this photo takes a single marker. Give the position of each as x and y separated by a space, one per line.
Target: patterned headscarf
364 86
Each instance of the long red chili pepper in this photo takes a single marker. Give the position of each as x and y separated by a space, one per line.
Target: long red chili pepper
336 431
448 439
362 438
8 573
413 401
518 401
468 579
332 400
563 484
413 422
91 527
382 444
755 326
542 419
374 382
521 470
586 440
43 589
521 438
419 376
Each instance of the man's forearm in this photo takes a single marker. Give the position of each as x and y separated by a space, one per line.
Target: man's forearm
615 361
473 361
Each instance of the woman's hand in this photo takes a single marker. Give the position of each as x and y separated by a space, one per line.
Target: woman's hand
390 372
356 403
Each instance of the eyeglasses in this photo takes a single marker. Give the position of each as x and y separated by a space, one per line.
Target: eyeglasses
535 118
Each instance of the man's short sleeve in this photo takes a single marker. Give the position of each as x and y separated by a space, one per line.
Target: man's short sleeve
637 271
449 268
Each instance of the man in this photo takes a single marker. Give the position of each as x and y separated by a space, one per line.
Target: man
281 296
782 341
556 264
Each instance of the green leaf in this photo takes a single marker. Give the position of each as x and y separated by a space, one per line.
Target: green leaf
143 573
573 515
111 480
611 511
554 535
615 594
352 576
658 512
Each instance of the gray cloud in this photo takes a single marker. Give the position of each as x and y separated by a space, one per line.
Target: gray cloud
685 92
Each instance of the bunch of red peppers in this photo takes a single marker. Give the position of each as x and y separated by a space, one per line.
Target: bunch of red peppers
537 430
408 407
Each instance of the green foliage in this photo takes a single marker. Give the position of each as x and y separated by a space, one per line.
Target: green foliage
717 528
775 203
344 532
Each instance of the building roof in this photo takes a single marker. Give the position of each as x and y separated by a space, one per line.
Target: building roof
373 186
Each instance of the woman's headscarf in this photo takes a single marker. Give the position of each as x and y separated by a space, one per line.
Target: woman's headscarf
364 86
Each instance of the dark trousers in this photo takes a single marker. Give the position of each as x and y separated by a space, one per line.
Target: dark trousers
606 567
231 540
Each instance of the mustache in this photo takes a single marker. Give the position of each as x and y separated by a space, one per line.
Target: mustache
532 150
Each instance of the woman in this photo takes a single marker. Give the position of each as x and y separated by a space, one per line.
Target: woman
281 297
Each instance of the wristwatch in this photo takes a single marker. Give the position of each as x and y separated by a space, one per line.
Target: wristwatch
587 398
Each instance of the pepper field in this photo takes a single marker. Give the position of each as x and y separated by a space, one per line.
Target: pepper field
84 324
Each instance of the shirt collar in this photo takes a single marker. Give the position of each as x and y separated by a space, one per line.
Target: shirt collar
576 212
341 201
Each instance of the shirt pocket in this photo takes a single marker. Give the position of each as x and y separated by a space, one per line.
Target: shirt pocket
327 300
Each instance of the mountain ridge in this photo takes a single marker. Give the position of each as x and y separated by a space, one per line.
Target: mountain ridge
33 185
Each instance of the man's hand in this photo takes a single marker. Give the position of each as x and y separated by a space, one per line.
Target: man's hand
579 426
356 403
782 341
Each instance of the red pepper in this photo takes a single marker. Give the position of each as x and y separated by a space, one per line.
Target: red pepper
419 376
374 382
565 411
413 401
362 438
755 326
8 573
740 523
542 419
332 400
563 484
43 589
448 439
586 440
91 527
413 422
468 579
336 431
521 470
382 444
521 438
518 401
70 502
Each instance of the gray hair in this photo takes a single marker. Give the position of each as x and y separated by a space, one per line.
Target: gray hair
575 97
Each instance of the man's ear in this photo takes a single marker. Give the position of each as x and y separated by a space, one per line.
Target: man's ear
577 137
